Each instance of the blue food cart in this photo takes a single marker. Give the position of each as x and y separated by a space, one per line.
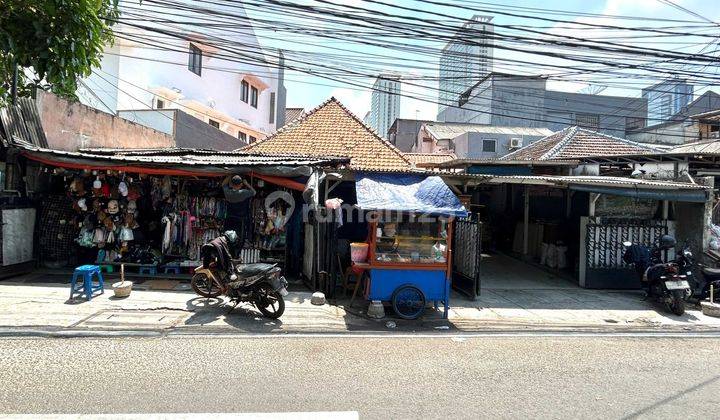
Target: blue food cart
410 240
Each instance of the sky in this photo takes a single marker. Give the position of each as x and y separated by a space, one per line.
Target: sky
309 91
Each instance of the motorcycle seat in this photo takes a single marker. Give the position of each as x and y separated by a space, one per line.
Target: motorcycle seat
251 270
711 273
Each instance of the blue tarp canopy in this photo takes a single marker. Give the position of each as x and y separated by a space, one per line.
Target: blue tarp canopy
407 193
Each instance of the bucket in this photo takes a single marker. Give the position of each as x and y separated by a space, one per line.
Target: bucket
359 252
122 288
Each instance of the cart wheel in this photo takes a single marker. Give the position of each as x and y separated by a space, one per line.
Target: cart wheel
408 302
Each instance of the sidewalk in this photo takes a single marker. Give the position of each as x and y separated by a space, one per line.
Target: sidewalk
44 307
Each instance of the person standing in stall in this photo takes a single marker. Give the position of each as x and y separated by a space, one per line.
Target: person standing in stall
238 193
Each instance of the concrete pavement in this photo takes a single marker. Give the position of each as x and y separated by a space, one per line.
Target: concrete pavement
388 377
46 308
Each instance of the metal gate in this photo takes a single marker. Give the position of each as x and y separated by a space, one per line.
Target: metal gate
602 264
320 258
466 255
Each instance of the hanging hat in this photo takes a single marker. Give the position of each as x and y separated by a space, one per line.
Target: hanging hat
113 207
97 184
82 204
123 188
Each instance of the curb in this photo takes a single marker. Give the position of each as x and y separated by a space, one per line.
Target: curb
223 332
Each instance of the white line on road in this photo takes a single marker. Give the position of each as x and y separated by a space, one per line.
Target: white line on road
318 415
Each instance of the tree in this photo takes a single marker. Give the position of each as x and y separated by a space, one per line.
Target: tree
52 43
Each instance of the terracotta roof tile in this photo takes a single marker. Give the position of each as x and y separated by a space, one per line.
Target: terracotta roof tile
332 130
576 142
429 159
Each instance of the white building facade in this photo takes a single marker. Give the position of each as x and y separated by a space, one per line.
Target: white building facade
201 73
385 103
463 63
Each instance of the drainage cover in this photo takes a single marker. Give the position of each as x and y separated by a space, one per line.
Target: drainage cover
134 319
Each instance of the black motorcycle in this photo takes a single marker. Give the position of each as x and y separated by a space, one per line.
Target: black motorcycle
708 276
665 281
260 284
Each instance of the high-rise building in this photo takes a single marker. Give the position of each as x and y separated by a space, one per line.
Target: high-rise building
466 59
666 99
385 104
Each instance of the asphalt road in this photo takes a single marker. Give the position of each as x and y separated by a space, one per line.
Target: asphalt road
390 377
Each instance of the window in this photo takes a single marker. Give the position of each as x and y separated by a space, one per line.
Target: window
488 146
253 97
159 104
272 107
591 121
252 139
195 60
632 123
214 124
244 91
242 136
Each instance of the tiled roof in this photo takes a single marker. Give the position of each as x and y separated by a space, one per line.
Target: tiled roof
291 114
576 142
332 130
429 159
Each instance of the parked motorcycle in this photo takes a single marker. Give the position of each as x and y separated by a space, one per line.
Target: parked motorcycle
665 281
260 284
700 284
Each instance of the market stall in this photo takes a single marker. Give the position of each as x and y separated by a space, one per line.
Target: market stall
409 259
153 210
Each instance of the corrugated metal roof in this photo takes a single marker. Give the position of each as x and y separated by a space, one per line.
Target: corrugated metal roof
187 157
606 181
705 147
442 131
498 162
22 122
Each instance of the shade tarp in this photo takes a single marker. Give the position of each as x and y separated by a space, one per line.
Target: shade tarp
407 193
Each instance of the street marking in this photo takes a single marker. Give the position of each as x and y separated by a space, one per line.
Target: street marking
318 415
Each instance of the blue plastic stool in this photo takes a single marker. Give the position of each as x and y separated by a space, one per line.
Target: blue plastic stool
152 271
172 269
88 288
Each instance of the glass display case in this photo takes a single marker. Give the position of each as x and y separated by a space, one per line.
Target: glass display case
415 242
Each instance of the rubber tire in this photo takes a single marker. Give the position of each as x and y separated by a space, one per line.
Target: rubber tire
395 302
281 303
194 284
678 302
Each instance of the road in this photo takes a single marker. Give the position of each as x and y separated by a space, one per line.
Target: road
377 377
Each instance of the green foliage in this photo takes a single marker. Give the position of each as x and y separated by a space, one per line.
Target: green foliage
54 42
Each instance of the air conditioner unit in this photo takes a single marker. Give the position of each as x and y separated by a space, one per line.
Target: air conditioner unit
515 143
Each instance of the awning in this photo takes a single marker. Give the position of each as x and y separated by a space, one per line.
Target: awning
690 196
407 193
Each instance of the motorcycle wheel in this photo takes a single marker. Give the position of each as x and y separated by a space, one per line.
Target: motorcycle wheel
204 286
678 302
270 302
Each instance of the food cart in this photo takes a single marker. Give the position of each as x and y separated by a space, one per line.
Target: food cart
410 240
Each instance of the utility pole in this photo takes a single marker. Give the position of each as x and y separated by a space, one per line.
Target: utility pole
13 87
